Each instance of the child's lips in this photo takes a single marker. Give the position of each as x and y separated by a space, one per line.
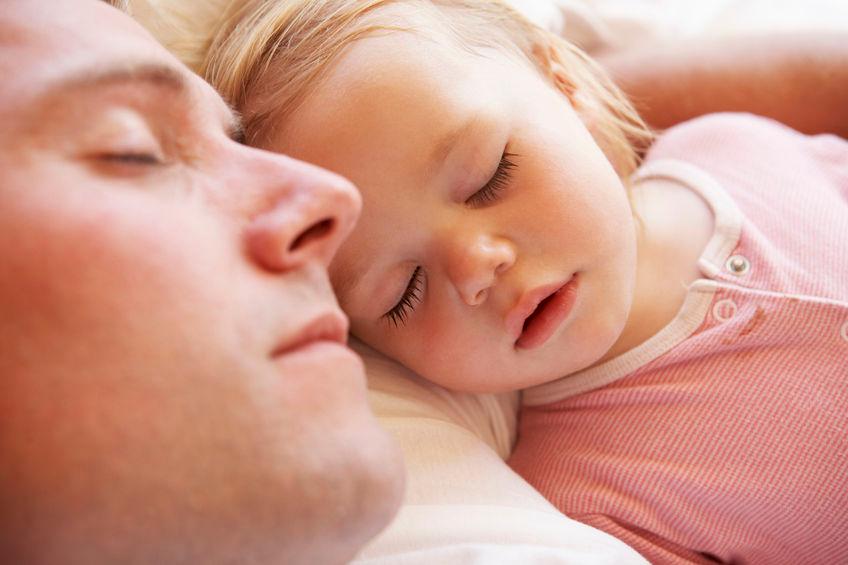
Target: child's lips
540 312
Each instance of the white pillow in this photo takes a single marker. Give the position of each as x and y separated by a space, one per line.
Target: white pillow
463 504
597 25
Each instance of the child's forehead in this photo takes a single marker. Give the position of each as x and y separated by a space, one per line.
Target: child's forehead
422 74
422 28
360 51
407 54
375 74
386 57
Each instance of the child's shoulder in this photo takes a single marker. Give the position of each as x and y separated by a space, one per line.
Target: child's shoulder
748 150
727 137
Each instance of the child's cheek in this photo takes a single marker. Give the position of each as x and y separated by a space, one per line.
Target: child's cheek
436 324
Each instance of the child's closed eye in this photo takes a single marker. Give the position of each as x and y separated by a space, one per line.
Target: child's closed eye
499 181
411 296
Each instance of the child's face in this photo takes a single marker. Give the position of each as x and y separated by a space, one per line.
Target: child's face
484 193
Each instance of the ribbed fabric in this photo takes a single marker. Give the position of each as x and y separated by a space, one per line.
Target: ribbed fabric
725 436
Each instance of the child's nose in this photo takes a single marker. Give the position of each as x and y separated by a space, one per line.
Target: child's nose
308 213
476 266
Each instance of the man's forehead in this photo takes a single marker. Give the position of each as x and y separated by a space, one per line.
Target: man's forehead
65 29
42 54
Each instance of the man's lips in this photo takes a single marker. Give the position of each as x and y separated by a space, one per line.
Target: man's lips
540 312
329 326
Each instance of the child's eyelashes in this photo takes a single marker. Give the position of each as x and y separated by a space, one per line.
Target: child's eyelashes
499 181
411 296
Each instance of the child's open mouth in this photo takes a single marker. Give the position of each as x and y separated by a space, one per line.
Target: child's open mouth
548 315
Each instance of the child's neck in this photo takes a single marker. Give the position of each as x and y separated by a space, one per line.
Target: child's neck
673 226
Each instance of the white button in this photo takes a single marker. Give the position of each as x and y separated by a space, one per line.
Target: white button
723 310
738 265
844 331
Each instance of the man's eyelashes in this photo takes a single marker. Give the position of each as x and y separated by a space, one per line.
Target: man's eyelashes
130 158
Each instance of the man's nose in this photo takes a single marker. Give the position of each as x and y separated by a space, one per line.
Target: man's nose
475 265
306 213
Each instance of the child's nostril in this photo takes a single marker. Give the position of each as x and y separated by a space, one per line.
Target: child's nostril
316 231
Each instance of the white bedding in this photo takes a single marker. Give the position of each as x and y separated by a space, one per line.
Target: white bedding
616 24
463 504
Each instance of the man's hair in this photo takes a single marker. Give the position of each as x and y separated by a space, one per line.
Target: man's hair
266 55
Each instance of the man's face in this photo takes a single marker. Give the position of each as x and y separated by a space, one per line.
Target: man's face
174 380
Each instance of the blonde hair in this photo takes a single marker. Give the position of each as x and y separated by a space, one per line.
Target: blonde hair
184 27
122 5
266 55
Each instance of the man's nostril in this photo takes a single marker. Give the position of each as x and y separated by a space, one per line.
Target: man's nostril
316 231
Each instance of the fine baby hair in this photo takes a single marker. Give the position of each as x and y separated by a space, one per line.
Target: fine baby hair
267 55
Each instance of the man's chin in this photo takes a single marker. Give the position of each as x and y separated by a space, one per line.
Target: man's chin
355 494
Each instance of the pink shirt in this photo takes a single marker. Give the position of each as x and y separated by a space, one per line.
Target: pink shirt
725 436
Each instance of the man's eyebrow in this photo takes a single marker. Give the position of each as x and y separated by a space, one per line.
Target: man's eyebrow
159 75
153 74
